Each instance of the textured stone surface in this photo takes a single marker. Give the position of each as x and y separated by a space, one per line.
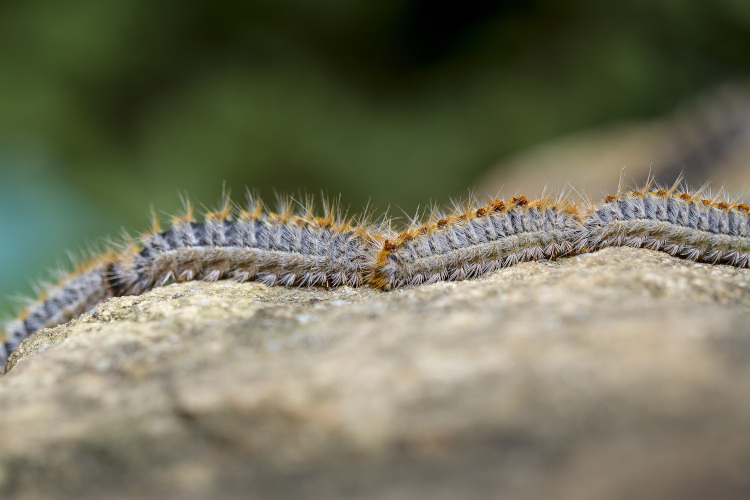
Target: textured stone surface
620 374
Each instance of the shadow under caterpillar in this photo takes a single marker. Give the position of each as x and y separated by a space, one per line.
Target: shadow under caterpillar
295 247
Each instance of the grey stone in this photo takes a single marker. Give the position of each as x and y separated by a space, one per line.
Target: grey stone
706 138
619 374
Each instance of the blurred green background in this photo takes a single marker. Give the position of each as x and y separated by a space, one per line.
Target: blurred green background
109 107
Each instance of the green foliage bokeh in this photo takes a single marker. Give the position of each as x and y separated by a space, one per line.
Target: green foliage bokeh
107 108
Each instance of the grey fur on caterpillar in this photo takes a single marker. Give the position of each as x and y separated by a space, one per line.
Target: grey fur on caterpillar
295 247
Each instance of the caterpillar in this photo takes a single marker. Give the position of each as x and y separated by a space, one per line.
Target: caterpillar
295 247
679 222
472 241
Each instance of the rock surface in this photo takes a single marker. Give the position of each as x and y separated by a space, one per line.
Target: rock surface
619 374
708 138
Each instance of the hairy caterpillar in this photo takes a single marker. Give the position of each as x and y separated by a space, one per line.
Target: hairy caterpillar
472 241
296 247
678 222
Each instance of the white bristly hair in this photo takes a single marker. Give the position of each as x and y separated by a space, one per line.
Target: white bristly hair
293 246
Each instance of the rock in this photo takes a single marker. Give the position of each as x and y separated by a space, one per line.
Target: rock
619 374
707 138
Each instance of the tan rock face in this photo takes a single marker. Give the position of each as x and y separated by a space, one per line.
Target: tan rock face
619 374
705 139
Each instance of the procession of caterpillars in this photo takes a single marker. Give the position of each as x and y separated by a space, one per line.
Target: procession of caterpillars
296 247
